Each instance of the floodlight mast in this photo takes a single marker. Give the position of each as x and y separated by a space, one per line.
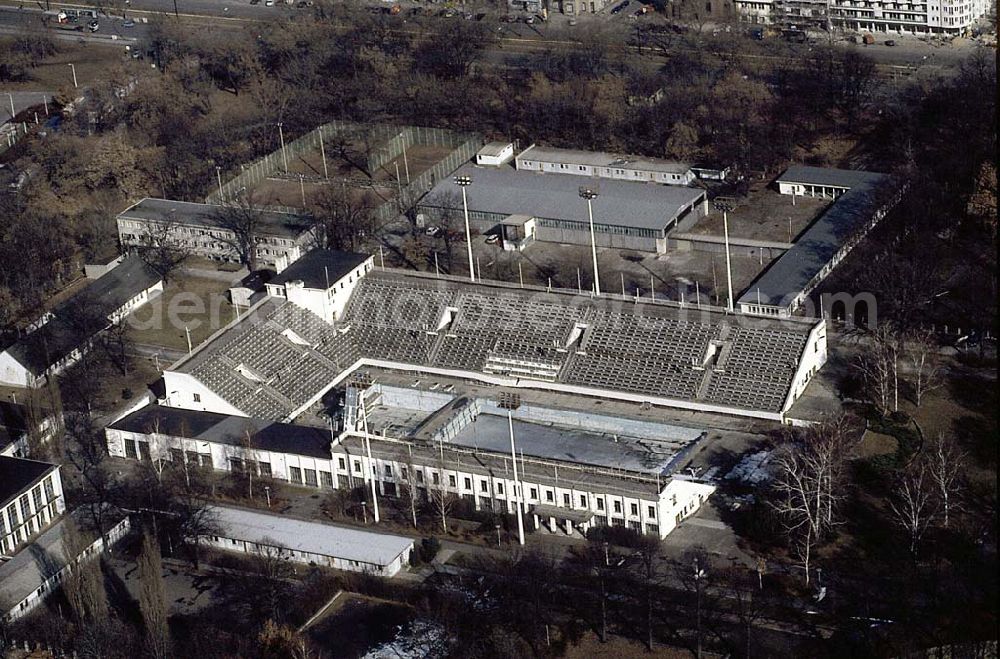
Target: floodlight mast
725 207
590 194
464 182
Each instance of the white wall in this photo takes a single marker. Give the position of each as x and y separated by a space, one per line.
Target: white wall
12 372
246 547
183 388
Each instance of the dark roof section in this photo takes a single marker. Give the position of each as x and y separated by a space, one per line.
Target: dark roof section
792 271
507 191
115 287
284 225
68 329
320 268
45 346
226 429
16 474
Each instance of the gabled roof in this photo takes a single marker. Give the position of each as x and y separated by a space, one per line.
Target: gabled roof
224 429
18 474
320 268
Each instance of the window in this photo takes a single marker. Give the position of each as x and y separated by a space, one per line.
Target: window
566 499
403 473
550 495
264 468
499 488
420 477
326 479
652 512
357 466
197 398
468 483
583 500
130 451
451 480
600 503
634 508
49 492
341 463
388 470
36 497
235 465
295 474
618 506
534 493
311 478
483 487
435 478
25 508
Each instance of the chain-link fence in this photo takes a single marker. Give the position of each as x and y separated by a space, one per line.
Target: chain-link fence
392 141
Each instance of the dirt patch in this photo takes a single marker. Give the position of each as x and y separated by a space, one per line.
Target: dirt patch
873 444
765 215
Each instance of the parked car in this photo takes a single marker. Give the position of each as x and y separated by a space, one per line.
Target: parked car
890 42
433 231
130 23
93 26
529 20
620 7
492 239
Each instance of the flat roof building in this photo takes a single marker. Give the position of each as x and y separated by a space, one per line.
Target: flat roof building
627 215
860 198
338 547
283 237
604 165
321 281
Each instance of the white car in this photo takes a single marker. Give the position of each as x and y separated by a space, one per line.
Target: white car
268 3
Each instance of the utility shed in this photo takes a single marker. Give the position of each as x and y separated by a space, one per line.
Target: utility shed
338 547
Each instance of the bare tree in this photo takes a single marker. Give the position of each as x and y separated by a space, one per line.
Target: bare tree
912 503
443 501
923 359
648 574
807 481
945 466
243 219
153 599
878 365
344 217
83 584
162 248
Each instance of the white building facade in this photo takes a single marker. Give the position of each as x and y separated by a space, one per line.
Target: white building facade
33 507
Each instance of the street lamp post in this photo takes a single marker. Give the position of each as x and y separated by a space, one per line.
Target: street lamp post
267 493
497 526
699 574
725 207
72 68
590 194
464 182
281 137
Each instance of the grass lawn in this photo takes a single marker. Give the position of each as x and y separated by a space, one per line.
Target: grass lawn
198 303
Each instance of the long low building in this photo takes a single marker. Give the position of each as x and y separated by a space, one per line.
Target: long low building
861 200
280 359
36 571
577 469
65 334
337 547
604 165
627 214
281 238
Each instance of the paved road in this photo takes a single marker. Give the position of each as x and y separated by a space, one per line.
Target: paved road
519 43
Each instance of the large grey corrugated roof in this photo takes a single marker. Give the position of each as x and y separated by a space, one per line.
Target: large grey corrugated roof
225 429
312 537
792 272
601 159
185 212
508 191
